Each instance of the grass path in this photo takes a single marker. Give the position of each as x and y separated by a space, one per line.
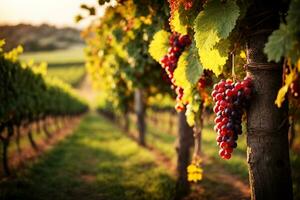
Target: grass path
97 162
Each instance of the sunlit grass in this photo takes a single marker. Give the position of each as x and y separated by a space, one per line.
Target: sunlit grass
71 75
237 165
72 55
164 141
97 162
67 64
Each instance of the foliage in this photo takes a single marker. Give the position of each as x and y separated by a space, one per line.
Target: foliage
189 69
284 42
212 25
117 52
159 45
28 95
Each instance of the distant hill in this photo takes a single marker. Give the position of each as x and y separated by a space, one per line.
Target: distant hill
39 38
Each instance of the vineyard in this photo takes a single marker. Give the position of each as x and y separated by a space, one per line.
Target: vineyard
177 99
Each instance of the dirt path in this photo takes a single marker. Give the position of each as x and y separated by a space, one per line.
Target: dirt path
217 184
85 90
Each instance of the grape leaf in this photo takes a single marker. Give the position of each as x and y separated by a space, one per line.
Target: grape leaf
212 24
283 42
2 43
279 44
281 95
190 117
189 69
177 25
158 47
289 78
293 17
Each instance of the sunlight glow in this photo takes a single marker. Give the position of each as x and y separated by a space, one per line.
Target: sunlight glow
59 13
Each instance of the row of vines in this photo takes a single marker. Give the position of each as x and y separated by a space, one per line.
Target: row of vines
179 48
28 97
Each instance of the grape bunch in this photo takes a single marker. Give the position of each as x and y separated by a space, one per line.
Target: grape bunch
231 98
169 62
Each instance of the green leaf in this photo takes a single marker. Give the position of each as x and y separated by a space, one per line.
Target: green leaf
284 42
279 44
158 47
293 17
189 69
177 25
212 24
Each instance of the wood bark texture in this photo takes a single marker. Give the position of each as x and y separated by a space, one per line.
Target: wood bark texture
267 139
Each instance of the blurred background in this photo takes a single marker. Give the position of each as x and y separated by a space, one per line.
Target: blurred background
48 33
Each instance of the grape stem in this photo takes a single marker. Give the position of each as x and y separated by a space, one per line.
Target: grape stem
233 67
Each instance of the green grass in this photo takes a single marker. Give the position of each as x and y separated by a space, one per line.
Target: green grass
97 162
237 165
157 137
72 75
164 141
57 57
67 64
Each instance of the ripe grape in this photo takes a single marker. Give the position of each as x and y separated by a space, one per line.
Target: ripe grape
231 98
169 63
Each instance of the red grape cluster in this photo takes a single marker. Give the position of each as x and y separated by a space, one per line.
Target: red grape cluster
231 99
169 62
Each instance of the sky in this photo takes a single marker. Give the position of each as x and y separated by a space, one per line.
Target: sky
56 12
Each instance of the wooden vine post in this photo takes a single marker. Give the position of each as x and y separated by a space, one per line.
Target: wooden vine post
140 114
185 140
126 120
267 125
198 135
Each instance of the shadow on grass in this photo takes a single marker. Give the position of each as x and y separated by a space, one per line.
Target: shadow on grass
96 162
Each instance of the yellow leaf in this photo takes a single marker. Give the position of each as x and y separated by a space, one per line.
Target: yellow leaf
243 54
281 95
289 78
176 24
2 43
212 60
190 117
191 168
195 173
158 47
